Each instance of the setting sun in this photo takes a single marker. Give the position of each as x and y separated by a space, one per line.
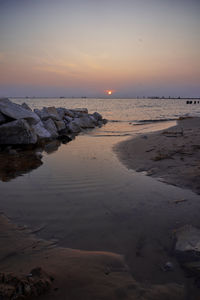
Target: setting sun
109 92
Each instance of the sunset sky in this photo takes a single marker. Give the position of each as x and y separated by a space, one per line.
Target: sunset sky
85 47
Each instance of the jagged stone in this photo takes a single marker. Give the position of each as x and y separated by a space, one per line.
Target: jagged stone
51 127
97 116
188 239
187 248
48 113
41 131
61 111
73 127
81 110
24 105
16 133
67 119
69 113
85 122
17 112
94 120
60 125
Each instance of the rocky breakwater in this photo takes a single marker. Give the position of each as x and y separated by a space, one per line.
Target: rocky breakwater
19 125
25 134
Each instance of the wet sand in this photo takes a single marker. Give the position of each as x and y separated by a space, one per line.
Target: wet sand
170 155
66 273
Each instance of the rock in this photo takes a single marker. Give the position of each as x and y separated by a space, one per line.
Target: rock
81 110
78 114
188 239
41 131
187 248
61 112
168 266
24 105
85 122
67 119
17 112
73 127
60 125
52 146
39 113
48 113
97 116
94 120
38 155
52 112
13 286
51 128
69 113
17 132
65 138
2 118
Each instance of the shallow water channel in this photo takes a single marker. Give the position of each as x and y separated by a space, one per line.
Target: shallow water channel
83 197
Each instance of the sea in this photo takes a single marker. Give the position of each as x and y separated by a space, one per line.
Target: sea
83 197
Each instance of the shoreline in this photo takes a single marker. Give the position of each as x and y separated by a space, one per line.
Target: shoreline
65 273
170 155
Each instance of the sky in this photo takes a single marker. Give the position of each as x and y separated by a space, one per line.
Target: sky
85 47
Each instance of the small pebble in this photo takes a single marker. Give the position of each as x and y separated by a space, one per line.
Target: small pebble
169 266
38 154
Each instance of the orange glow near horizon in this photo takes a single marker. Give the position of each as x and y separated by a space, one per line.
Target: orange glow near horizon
109 92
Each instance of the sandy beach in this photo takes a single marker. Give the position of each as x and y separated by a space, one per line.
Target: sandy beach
170 155
37 269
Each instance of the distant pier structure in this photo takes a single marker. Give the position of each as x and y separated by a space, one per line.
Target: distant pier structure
192 102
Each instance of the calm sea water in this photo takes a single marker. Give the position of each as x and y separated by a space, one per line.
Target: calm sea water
83 196
122 109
